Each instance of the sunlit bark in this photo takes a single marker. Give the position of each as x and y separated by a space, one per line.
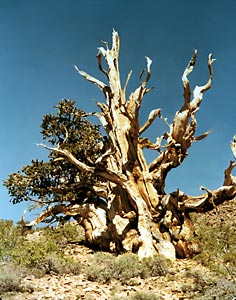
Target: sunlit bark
139 215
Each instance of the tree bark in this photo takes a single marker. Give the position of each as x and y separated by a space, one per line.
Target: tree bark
139 216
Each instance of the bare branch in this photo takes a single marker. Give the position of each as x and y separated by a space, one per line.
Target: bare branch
101 118
204 203
146 143
199 90
202 136
107 174
152 116
115 42
209 83
143 83
127 81
104 156
70 157
188 70
99 59
149 62
90 78
53 211
229 178
105 44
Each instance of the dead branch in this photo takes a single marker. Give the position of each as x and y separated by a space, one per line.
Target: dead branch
188 70
152 116
199 90
70 157
90 78
99 59
149 62
209 200
202 136
229 178
127 81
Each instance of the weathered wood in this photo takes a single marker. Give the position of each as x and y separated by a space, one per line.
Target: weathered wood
139 215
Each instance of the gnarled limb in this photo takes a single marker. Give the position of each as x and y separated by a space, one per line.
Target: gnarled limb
181 133
139 215
229 178
209 200
199 90
188 70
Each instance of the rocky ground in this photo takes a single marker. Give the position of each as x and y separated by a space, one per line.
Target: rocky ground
184 280
75 287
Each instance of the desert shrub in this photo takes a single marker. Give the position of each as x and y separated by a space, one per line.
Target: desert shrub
56 264
197 282
12 281
44 256
126 266
105 267
219 247
143 296
101 268
40 252
64 234
155 266
32 253
222 290
10 237
138 296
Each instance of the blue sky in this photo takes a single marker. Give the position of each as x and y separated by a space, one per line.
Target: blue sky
41 40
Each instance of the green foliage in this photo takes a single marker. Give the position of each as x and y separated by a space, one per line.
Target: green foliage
32 254
69 126
106 267
219 250
196 282
101 268
218 254
63 235
45 253
10 237
57 180
40 252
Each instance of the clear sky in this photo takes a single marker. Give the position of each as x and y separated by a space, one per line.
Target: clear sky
41 40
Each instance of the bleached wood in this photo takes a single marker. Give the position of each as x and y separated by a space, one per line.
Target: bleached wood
137 214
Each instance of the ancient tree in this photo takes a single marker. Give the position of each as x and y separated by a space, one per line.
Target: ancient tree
118 198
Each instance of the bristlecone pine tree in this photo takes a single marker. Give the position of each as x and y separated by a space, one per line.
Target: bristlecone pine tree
106 184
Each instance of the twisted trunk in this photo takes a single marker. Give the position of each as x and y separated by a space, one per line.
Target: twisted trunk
137 214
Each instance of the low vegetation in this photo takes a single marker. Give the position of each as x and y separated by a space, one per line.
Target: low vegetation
218 248
139 296
38 253
42 252
105 267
